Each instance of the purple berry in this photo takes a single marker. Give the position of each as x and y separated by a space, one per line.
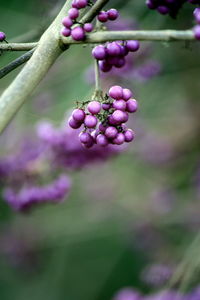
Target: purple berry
105 66
111 132
65 32
196 31
90 121
99 52
123 51
88 27
2 36
102 140
111 120
67 22
73 13
163 9
120 139
112 14
78 34
197 15
120 62
127 94
94 107
106 106
73 123
116 92
113 49
132 45
85 137
102 16
89 144
81 3
78 115
119 116
131 106
119 104
102 128
129 135
74 4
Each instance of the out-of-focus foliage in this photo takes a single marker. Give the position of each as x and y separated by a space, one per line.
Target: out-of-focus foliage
136 210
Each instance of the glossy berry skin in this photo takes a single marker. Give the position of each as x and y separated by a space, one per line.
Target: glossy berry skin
78 115
129 135
99 52
102 140
132 46
111 132
81 3
88 27
120 139
196 31
131 105
66 32
78 33
74 124
67 22
94 107
2 36
119 104
73 13
85 137
116 92
102 16
112 14
90 121
127 94
113 49
119 116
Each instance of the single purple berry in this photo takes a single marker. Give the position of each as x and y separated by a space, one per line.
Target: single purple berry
78 34
127 94
126 116
131 105
123 51
2 36
99 52
111 132
196 31
102 16
163 9
129 135
132 45
94 107
67 22
119 104
85 137
120 62
150 4
119 116
120 139
106 106
89 144
74 4
65 32
88 27
112 14
90 121
113 49
116 92
78 115
104 66
73 123
81 3
102 140
73 13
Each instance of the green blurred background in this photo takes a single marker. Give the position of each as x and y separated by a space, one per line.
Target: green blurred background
121 215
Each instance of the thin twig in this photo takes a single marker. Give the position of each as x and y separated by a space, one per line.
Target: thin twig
17 46
16 63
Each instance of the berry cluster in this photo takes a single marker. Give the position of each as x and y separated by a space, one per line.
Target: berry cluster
104 122
113 54
77 32
109 15
2 36
165 7
196 28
